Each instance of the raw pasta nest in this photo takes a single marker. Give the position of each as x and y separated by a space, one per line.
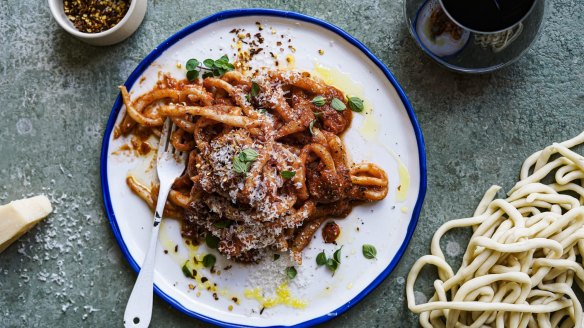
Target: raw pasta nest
523 257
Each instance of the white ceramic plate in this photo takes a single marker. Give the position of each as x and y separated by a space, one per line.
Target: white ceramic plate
387 135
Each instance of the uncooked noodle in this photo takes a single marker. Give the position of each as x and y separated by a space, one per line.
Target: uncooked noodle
523 257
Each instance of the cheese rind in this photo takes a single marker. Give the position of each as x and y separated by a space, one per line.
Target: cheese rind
19 216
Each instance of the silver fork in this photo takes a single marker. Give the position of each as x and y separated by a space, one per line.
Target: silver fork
170 164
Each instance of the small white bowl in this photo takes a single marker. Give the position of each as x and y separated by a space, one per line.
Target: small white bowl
118 33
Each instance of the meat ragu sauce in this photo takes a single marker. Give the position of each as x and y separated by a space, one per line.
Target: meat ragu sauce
323 186
287 134
330 232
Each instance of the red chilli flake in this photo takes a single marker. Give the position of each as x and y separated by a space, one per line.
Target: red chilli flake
94 16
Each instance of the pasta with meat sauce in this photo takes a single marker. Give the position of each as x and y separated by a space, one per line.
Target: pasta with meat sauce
266 166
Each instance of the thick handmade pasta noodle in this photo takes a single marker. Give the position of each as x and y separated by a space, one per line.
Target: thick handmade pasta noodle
524 256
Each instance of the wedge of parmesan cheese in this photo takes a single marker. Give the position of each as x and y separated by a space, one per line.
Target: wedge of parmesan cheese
19 216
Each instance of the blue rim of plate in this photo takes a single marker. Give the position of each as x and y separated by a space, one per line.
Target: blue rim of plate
284 14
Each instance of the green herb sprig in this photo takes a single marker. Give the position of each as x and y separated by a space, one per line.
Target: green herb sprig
338 104
209 260
355 104
209 67
331 263
255 89
212 241
369 251
311 126
288 174
291 272
318 101
223 223
242 162
253 92
321 258
186 270
337 255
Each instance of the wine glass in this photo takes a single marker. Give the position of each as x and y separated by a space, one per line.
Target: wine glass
475 36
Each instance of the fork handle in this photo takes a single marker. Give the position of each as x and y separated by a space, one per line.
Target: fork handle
139 308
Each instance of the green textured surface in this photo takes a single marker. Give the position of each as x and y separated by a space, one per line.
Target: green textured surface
56 96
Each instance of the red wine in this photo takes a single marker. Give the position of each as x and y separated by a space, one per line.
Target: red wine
487 15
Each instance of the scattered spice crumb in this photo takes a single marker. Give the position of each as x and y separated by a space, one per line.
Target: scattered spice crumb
191 286
259 37
320 52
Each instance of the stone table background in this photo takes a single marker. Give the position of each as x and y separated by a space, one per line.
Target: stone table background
56 94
